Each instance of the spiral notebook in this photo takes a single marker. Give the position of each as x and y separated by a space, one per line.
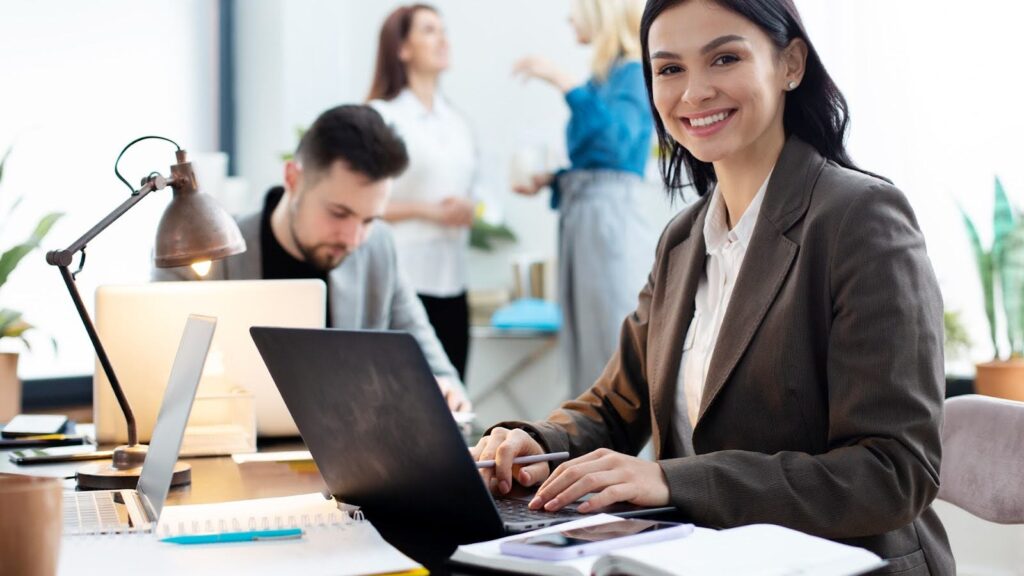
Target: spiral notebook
334 542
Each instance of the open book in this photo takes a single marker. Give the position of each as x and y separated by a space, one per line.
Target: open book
759 549
334 543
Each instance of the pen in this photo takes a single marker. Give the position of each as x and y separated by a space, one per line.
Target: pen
249 536
528 459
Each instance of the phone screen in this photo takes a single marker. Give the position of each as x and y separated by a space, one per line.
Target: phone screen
608 531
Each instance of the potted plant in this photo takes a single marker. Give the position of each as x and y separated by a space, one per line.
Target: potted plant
1001 270
12 325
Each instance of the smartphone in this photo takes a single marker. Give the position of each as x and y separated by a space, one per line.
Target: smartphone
60 454
34 425
591 540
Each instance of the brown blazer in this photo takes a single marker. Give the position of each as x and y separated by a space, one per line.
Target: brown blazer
823 401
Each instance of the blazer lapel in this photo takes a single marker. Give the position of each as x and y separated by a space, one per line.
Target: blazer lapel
683 272
766 263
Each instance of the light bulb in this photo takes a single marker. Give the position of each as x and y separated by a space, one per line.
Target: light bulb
202 268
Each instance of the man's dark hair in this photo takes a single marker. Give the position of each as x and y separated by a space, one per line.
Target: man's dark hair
356 135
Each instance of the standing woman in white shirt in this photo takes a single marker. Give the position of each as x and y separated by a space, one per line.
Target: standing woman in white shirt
431 206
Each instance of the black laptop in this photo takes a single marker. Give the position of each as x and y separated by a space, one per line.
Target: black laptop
374 420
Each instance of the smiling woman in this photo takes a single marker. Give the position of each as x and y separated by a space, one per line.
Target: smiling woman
732 64
768 357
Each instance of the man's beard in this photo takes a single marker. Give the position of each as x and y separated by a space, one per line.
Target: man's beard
319 255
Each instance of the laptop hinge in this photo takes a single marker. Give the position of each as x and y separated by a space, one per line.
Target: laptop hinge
140 511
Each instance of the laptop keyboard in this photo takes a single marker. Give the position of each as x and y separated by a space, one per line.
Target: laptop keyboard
514 510
89 512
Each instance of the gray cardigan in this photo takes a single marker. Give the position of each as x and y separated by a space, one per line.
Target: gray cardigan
366 291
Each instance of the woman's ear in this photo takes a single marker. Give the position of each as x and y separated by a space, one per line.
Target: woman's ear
794 62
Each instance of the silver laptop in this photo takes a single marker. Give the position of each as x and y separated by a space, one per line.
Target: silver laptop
116 511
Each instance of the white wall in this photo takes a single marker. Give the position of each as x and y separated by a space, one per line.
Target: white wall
934 91
81 80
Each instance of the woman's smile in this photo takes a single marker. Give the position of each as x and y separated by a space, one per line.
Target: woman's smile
707 123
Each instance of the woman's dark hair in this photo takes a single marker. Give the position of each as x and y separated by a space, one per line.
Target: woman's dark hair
816 111
356 135
389 77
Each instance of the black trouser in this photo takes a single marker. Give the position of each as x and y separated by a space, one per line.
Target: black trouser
450 319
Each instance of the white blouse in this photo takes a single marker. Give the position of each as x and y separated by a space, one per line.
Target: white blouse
725 249
442 163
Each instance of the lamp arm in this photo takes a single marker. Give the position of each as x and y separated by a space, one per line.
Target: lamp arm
63 258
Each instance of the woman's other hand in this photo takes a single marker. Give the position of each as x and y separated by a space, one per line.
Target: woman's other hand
453 395
543 69
502 445
454 212
610 476
537 183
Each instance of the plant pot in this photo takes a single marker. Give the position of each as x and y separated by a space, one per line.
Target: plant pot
10 386
1001 379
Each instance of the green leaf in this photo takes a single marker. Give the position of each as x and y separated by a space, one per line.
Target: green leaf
482 234
10 259
984 262
956 341
14 206
1002 219
7 321
44 226
3 162
16 329
1012 284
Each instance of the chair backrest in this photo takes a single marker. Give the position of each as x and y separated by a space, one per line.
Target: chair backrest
983 457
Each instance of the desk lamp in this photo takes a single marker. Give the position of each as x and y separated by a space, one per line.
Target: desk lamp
193 229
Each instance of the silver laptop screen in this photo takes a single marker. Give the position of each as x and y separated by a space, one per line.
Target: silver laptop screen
158 468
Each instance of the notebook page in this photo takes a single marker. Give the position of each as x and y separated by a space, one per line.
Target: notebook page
303 511
759 550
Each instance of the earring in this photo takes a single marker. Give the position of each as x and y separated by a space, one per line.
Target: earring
792 85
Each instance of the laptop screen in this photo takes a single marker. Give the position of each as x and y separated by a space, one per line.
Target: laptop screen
162 455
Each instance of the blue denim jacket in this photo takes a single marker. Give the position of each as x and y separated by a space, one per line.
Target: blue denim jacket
611 124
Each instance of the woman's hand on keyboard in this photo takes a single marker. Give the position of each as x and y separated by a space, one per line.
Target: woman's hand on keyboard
610 476
502 445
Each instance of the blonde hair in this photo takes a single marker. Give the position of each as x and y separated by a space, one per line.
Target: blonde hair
614 30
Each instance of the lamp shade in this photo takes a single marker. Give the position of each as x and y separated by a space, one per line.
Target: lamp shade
195 228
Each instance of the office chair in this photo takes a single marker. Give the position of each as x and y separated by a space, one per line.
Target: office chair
983 457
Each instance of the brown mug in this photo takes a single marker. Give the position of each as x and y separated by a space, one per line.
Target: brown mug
30 525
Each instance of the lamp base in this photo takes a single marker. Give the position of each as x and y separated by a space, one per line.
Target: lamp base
123 471
103 476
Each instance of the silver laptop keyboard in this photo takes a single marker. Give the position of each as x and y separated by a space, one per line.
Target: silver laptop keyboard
91 512
513 510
